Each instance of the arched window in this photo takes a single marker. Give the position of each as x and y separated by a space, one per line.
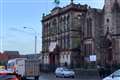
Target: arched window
60 22
89 27
63 23
54 26
68 18
68 41
68 21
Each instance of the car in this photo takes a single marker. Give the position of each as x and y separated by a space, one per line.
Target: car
114 76
7 75
64 72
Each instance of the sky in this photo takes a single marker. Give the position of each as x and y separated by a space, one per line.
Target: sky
17 14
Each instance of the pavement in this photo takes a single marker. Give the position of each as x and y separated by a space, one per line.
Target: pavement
51 76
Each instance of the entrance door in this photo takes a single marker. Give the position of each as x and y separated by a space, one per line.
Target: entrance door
51 58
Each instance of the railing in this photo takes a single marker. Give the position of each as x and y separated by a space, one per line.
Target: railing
48 67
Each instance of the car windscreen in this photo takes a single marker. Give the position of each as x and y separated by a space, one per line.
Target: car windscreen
67 69
6 77
116 73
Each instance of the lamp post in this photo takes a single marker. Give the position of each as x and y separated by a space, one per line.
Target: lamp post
35 37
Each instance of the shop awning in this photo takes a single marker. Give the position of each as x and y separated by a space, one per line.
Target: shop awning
52 46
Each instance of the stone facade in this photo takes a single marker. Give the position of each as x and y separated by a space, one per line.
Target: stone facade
93 30
112 22
62 26
79 31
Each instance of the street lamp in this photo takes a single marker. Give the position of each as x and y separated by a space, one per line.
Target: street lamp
35 47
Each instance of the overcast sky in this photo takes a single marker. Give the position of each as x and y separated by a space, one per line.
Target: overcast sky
16 14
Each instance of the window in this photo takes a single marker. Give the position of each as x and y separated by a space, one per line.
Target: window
54 26
63 25
67 56
64 42
107 20
60 25
88 49
68 21
63 56
89 27
61 42
68 42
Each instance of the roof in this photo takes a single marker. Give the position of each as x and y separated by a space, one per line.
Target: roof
61 10
11 52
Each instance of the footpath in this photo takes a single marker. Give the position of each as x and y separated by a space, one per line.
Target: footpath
87 74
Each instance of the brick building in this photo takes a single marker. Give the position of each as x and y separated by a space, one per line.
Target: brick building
6 55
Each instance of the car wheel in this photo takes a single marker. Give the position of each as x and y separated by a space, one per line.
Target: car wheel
56 76
73 76
63 76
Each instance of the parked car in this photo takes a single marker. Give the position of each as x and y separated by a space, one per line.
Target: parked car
64 72
114 76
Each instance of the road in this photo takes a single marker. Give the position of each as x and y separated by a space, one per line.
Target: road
50 76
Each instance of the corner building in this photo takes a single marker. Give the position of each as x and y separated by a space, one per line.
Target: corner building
61 30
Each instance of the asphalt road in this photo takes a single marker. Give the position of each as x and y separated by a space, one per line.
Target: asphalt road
50 76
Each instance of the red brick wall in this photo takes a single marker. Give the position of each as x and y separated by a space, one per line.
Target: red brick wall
6 57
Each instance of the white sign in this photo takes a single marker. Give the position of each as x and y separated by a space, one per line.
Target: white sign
92 57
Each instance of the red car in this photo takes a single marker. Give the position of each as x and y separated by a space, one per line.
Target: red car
9 76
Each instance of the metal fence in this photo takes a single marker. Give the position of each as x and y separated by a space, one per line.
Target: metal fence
48 67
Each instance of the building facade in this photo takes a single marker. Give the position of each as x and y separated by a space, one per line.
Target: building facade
61 30
111 54
7 55
73 33
93 30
